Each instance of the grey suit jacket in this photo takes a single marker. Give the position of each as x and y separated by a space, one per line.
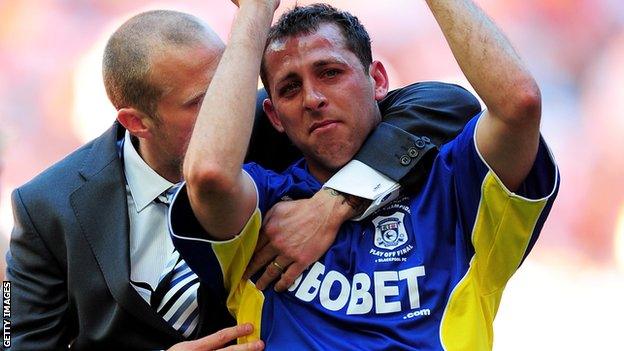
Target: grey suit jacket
69 261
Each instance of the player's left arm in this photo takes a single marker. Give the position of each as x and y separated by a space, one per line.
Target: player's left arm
508 133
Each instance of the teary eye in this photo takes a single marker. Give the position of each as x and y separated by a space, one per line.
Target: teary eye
289 88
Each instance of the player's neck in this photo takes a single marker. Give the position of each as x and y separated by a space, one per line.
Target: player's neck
318 171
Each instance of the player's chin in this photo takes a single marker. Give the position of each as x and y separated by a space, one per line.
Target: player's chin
335 155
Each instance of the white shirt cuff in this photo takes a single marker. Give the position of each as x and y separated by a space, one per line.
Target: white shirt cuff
356 178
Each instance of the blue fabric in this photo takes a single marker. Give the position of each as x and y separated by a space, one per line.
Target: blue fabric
385 282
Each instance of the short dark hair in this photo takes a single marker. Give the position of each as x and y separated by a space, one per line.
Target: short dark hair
126 66
307 19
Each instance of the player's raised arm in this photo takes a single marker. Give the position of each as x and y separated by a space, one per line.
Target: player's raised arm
222 196
508 133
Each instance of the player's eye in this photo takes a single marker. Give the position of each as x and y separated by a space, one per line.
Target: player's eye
289 89
331 73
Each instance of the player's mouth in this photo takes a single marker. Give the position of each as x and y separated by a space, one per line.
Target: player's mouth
323 125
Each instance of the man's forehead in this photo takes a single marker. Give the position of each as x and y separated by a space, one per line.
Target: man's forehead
324 45
184 70
326 34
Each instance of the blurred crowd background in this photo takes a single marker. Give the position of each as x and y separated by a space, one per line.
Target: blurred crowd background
569 293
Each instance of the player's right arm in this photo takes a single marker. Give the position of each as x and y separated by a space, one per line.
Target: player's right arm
222 196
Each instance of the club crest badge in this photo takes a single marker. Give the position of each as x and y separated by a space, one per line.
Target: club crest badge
390 231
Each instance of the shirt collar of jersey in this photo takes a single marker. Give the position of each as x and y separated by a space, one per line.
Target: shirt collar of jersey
300 172
144 183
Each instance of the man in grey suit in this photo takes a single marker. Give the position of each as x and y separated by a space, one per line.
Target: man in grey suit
90 243
77 242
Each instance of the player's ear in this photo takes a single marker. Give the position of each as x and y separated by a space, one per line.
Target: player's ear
380 79
269 109
135 122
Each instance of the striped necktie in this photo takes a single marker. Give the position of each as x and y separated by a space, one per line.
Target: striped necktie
175 297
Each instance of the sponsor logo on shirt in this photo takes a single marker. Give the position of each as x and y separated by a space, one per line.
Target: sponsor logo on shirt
381 292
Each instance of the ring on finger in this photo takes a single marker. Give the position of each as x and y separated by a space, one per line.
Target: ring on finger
278 266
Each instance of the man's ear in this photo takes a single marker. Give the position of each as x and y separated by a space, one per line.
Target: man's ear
269 110
135 121
380 79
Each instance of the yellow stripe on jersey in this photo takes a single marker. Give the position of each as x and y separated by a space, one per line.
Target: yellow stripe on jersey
501 234
244 301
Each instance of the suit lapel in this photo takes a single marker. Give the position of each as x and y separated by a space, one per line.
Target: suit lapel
100 206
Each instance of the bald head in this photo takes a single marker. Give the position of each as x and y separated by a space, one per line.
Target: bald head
130 50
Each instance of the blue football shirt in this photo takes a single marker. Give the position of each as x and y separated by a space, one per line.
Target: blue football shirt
425 272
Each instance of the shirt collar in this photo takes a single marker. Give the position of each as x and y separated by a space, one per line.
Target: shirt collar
144 183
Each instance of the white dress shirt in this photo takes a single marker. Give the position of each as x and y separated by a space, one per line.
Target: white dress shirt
357 178
150 244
